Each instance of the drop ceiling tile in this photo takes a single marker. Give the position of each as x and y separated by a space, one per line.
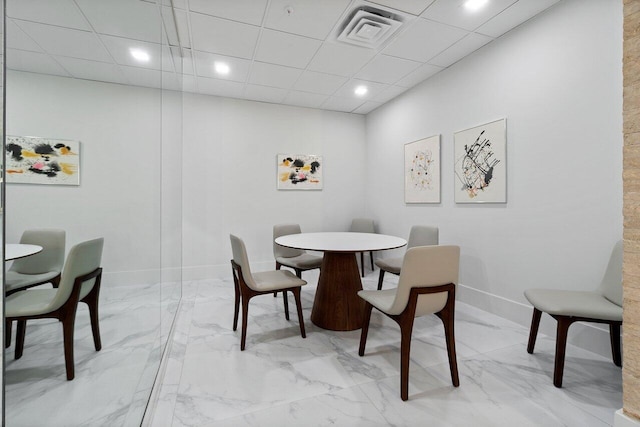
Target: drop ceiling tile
189 84
120 50
171 81
247 11
340 59
124 18
464 47
513 16
273 75
313 19
389 93
373 89
453 12
239 68
387 69
188 66
265 94
319 83
63 13
281 48
305 99
224 37
414 7
92 70
220 87
412 42
419 75
367 107
18 39
65 41
34 62
346 105
142 76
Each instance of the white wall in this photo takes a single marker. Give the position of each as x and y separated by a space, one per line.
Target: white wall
229 174
558 81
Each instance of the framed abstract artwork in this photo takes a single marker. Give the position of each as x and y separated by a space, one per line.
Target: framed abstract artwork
422 171
35 160
299 172
481 163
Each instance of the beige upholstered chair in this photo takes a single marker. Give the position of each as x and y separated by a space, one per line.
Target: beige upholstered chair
363 225
248 285
604 305
297 259
80 282
43 267
420 235
427 285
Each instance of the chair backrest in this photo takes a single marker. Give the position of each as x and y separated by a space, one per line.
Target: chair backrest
362 225
240 257
285 230
611 285
422 235
425 266
82 259
51 258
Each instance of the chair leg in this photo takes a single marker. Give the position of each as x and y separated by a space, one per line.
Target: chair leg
237 304
405 350
365 327
20 332
245 311
371 259
533 333
286 304
447 317
68 322
380 279
561 345
7 333
278 265
296 295
362 263
91 299
614 332
55 282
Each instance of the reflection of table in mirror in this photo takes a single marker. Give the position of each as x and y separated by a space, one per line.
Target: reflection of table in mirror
19 250
336 305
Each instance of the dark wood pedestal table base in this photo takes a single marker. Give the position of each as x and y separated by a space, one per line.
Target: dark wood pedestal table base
336 305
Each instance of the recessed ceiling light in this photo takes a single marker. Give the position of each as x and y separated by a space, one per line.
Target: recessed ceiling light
474 5
139 54
221 68
361 90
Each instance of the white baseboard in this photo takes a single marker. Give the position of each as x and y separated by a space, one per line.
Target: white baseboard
590 336
620 419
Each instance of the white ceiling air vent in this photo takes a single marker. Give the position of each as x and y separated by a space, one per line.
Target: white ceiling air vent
369 27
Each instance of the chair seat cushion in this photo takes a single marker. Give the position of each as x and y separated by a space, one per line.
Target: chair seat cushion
30 302
382 300
574 303
275 280
15 280
392 265
303 262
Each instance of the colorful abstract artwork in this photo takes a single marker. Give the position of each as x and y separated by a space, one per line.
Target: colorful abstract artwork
34 160
481 164
299 172
422 171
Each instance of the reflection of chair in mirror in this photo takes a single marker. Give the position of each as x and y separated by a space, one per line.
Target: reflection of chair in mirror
43 267
248 285
604 305
426 286
363 225
420 235
80 281
297 259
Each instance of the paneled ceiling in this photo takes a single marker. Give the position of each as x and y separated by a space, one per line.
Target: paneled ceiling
277 51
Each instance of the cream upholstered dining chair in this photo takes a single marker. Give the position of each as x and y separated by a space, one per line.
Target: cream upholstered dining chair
248 285
420 235
603 305
80 282
427 285
43 267
297 259
363 225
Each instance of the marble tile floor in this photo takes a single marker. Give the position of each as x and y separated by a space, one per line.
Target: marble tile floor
284 380
112 386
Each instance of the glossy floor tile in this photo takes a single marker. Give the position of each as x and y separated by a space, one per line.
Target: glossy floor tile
282 379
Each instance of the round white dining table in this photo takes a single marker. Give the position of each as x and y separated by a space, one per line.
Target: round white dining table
19 250
336 305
